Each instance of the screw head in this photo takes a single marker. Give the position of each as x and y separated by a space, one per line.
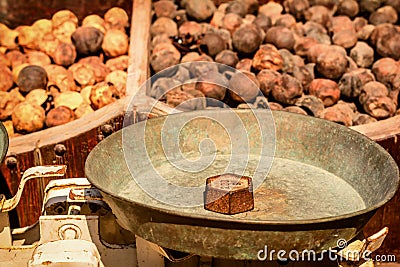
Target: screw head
106 129
11 162
60 150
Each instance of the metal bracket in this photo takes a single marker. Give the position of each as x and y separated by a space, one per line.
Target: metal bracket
31 173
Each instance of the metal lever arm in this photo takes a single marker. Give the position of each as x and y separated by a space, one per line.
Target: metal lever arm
31 173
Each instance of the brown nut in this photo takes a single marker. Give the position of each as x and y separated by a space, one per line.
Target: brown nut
60 78
165 9
59 116
211 44
319 14
244 64
268 80
17 70
97 65
311 104
164 55
296 7
83 74
116 18
212 85
28 118
6 78
28 37
118 79
65 31
327 90
94 21
244 87
8 101
64 54
62 16
362 54
200 10
332 64
380 107
303 45
115 43
37 97
361 118
372 90
267 57
386 14
263 22
87 40
340 113
118 63
341 23
227 57
290 90
16 58
247 39
346 38
295 109
231 22
32 77
190 31
271 9
386 71
103 94
68 99
351 83
348 8
8 37
280 37
164 25
184 101
83 110
38 58
43 26
49 44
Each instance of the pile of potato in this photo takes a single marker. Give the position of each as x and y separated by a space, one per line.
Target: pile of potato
59 69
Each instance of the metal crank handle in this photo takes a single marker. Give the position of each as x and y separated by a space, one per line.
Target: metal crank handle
47 171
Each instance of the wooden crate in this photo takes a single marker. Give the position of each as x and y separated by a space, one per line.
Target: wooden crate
80 136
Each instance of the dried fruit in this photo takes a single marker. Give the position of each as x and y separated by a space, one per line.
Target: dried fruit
281 37
38 58
244 64
227 57
386 71
99 68
59 116
386 14
115 43
6 78
164 55
64 54
351 83
8 101
290 90
331 64
65 31
60 78
244 87
362 54
83 74
116 18
28 118
311 104
118 79
200 10
327 90
103 94
212 44
340 113
82 110
247 39
346 38
28 37
94 21
37 97
68 99
348 8
231 22
8 37
49 44
118 63
164 25
361 118
212 85
269 79
32 77
267 57
16 58
63 16
165 9
87 40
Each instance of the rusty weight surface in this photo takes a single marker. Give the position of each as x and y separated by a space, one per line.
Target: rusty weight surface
359 161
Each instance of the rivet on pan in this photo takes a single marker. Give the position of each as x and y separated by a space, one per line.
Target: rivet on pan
106 129
11 162
60 150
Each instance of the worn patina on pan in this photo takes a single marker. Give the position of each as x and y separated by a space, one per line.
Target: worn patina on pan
325 183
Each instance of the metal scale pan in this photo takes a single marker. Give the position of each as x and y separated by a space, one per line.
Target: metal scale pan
320 182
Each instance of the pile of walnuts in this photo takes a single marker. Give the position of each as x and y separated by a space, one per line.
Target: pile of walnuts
333 59
59 69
